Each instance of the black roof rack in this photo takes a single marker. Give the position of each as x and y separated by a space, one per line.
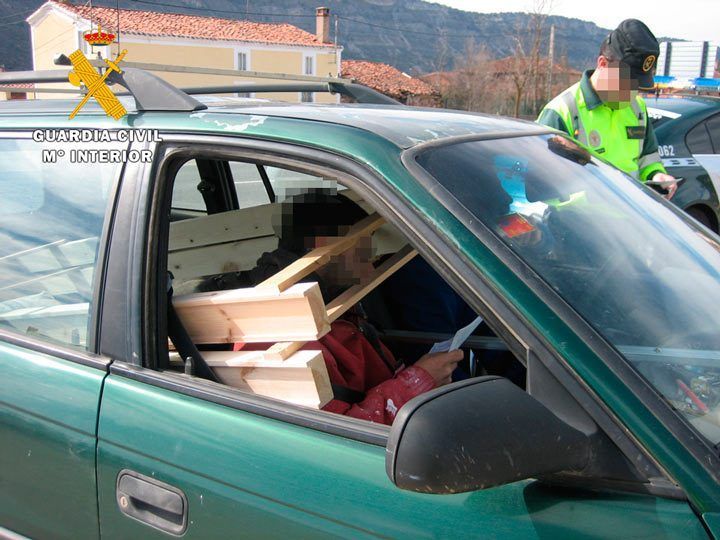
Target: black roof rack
152 93
361 94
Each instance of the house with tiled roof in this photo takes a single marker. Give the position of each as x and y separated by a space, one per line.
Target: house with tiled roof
392 82
192 41
10 91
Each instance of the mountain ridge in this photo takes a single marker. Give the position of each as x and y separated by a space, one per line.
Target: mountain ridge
413 35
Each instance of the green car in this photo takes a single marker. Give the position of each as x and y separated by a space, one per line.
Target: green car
605 295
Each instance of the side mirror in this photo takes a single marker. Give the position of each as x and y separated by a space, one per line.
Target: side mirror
480 433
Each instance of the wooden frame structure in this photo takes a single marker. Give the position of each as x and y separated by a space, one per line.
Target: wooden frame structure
287 313
58 268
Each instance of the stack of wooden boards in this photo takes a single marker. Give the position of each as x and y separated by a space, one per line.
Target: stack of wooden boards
283 312
46 290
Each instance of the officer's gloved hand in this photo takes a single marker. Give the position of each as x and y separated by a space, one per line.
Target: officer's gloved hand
667 182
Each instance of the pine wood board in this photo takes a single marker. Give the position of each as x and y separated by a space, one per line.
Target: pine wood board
302 379
336 308
219 258
254 315
221 228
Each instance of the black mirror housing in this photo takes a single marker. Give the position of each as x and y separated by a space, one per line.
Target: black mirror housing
476 434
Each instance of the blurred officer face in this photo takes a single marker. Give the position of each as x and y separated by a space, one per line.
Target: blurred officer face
613 83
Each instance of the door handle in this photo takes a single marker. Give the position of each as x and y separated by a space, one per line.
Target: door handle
150 501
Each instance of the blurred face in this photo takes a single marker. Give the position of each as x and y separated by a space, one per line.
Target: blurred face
613 83
351 267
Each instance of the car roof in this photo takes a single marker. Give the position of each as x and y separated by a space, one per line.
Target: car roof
683 104
401 125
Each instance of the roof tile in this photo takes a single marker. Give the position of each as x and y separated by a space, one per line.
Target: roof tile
385 79
152 23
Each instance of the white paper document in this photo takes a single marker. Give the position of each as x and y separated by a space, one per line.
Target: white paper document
458 339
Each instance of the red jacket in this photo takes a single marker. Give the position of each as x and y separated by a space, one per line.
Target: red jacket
353 362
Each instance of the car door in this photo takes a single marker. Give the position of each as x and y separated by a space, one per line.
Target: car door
704 142
182 456
54 220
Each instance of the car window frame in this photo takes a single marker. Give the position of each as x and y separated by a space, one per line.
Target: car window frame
687 436
449 262
89 357
715 144
252 151
702 125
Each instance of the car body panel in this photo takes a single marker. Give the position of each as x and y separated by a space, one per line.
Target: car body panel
245 475
383 158
699 483
702 186
328 485
403 126
48 417
711 163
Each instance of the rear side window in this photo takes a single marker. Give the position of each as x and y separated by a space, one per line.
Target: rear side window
698 140
713 126
51 217
186 195
281 184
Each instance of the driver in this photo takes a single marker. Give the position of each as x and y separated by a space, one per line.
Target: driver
368 382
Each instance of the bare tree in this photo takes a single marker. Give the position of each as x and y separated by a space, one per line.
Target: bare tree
524 66
469 86
442 55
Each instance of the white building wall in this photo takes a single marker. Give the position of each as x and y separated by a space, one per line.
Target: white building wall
686 59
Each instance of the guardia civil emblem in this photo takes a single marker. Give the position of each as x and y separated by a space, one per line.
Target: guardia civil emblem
595 139
648 63
84 73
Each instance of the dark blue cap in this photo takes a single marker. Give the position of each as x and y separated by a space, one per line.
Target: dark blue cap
634 44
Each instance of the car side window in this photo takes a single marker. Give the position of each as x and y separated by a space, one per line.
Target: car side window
698 140
249 185
273 275
285 183
278 184
713 126
186 195
52 218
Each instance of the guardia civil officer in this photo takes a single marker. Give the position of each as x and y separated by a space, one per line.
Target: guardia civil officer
604 111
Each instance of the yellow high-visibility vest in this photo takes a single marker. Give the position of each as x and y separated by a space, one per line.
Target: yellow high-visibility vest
617 135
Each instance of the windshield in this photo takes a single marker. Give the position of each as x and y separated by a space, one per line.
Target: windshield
629 265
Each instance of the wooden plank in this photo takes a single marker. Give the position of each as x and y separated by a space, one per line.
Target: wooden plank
354 294
69 280
65 322
37 259
216 259
80 309
254 315
222 228
77 252
302 379
283 350
317 257
56 255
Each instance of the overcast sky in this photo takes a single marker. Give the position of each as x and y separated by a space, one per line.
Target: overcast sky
697 20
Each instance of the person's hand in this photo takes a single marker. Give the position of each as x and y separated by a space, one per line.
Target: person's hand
667 182
440 365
